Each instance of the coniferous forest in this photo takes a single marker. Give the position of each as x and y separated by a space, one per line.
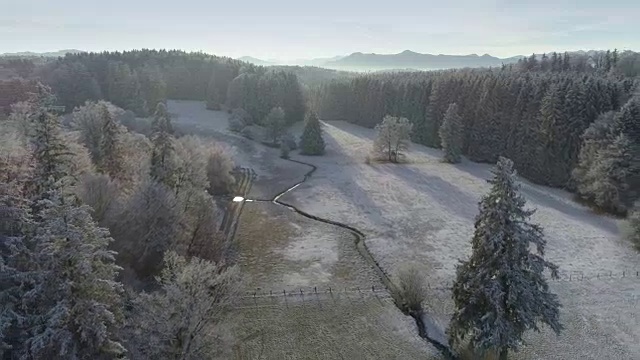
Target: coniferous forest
555 117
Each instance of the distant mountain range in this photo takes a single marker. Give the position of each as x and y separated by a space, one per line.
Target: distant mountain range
404 60
413 60
44 54
300 62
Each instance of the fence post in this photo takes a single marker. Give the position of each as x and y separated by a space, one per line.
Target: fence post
315 290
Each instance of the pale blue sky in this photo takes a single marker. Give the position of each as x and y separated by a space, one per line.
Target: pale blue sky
302 29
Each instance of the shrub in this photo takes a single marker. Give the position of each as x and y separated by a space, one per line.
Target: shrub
235 125
290 141
284 150
243 116
412 289
248 133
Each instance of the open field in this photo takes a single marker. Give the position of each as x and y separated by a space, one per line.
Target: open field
274 174
423 212
278 249
345 326
281 250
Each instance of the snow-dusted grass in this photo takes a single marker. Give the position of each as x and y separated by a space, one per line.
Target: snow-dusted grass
346 326
281 250
422 212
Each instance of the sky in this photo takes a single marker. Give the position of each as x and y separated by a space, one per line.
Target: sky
288 30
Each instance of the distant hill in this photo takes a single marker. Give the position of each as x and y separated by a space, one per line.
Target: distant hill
256 61
413 60
44 54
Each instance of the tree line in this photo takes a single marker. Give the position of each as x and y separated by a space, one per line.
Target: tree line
536 118
110 245
137 80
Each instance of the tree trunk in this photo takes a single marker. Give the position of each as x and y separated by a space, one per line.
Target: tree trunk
503 353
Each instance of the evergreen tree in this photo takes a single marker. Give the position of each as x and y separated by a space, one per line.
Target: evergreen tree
74 306
311 141
552 138
632 230
213 94
275 123
163 150
111 154
153 88
451 134
500 291
611 175
49 148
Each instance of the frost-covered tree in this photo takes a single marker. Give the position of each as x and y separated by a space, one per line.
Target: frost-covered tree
275 124
182 319
190 170
219 167
611 173
500 291
392 138
451 135
16 162
112 159
101 194
163 148
89 120
74 307
70 301
311 141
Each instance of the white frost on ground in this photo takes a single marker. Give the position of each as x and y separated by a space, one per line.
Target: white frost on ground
423 213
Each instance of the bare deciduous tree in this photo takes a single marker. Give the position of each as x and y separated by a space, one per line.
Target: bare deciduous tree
392 138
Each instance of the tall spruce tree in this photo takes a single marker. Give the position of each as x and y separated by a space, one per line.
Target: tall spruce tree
311 141
163 149
74 306
500 291
451 135
111 154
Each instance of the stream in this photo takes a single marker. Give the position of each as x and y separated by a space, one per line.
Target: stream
427 328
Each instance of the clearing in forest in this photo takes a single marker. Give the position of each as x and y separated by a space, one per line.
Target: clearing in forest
422 212
278 249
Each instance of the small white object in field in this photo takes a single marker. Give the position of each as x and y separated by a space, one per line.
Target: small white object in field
238 199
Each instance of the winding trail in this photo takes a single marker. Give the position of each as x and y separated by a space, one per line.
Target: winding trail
438 340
